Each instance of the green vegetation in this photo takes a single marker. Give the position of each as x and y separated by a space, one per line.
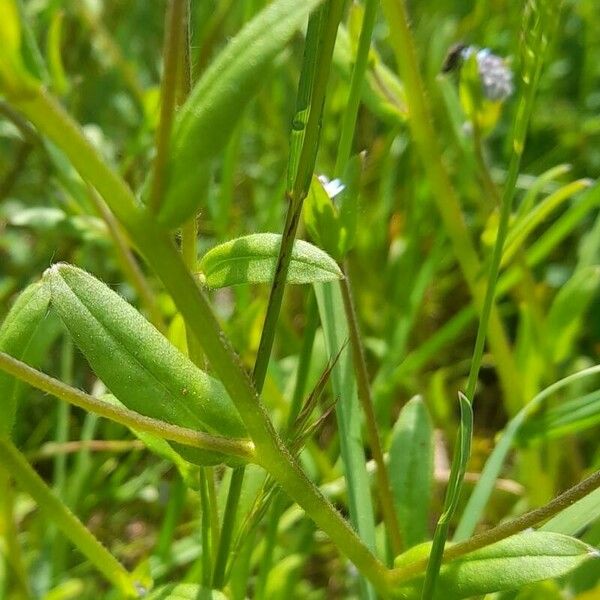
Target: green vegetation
299 299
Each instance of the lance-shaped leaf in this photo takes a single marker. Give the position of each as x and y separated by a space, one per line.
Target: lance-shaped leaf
16 333
509 564
139 366
411 469
207 120
253 259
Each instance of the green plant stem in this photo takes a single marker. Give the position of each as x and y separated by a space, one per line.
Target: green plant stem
507 529
173 512
313 85
364 395
520 129
356 87
63 518
8 532
174 33
205 527
313 79
158 249
190 437
445 195
233 497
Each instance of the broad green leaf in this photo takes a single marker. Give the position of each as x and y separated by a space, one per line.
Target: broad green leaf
509 564
16 333
208 118
411 470
138 365
184 591
575 518
253 259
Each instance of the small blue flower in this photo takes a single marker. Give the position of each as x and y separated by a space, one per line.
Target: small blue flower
496 78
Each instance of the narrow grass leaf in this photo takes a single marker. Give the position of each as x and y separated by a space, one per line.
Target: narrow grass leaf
253 259
208 118
411 470
475 506
567 418
510 564
335 329
138 365
566 315
523 228
575 518
16 333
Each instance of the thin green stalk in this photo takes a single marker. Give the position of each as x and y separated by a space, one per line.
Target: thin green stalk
8 532
233 497
278 504
173 512
190 437
444 194
505 530
347 412
59 478
356 86
63 518
320 39
174 34
520 128
364 395
158 249
205 527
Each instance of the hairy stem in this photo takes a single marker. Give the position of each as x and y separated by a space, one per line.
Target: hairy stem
190 437
158 249
507 529
174 33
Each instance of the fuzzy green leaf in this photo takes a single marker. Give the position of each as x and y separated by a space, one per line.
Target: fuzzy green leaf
139 366
253 259
16 334
208 118
411 469
509 564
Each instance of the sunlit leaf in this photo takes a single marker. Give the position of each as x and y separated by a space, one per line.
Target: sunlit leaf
253 259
